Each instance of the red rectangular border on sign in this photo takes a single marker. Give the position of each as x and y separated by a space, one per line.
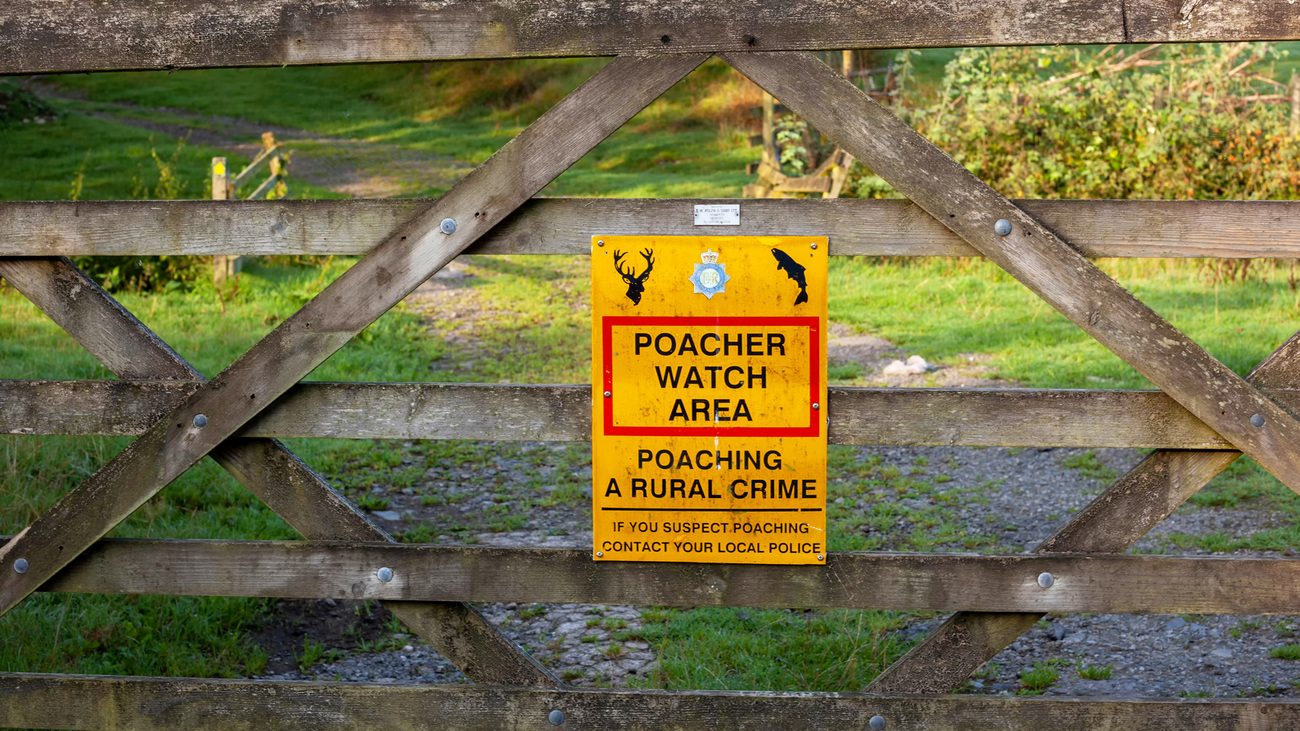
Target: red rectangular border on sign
814 338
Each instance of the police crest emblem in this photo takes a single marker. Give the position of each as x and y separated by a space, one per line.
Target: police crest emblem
710 277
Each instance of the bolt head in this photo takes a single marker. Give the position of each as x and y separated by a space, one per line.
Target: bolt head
1257 421
1002 227
200 421
821 557
600 554
816 406
600 242
20 566
877 723
608 394
556 717
385 574
814 246
448 226
1046 580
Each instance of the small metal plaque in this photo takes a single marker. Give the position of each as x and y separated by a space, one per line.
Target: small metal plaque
725 214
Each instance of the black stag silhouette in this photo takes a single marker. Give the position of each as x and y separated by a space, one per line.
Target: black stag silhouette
635 284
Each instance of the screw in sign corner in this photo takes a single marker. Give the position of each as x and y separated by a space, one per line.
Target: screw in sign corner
708 389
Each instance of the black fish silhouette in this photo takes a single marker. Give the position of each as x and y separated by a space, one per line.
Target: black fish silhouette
794 271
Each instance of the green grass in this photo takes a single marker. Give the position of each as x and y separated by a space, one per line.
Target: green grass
394 348
314 652
1039 678
1091 467
113 158
1247 485
1286 652
941 308
1093 672
727 649
687 143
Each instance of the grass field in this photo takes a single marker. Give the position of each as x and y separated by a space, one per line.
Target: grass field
691 143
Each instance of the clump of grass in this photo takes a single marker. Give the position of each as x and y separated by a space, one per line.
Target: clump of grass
1093 672
1090 466
987 671
372 502
1290 651
314 652
420 533
845 372
535 610
1038 678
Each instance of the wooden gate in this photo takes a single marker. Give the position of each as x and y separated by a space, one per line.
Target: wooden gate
1202 418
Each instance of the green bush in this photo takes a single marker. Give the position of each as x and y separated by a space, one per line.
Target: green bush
1166 122
146 273
19 106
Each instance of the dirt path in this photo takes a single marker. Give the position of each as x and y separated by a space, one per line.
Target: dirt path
358 168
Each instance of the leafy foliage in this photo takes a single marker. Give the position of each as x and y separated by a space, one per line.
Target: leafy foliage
1186 121
19 106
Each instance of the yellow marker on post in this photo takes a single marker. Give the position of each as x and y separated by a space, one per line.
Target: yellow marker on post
709 393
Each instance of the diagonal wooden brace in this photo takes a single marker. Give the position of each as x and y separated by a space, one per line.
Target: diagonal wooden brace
1130 507
1031 253
365 292
272 472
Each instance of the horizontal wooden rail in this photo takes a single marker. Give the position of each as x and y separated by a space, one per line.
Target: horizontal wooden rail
917 581
41 36
893 416
1099 228
165 704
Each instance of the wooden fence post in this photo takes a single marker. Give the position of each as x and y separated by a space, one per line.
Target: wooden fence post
223 266
1295 105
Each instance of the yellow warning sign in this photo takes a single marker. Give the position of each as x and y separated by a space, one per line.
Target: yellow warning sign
709 393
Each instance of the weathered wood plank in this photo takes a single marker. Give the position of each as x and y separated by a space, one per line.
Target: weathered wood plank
1114 583
1130 507
288 486
70 35
393 269
1098 228
162 704
903 417
97 321
1034 255
1157 21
